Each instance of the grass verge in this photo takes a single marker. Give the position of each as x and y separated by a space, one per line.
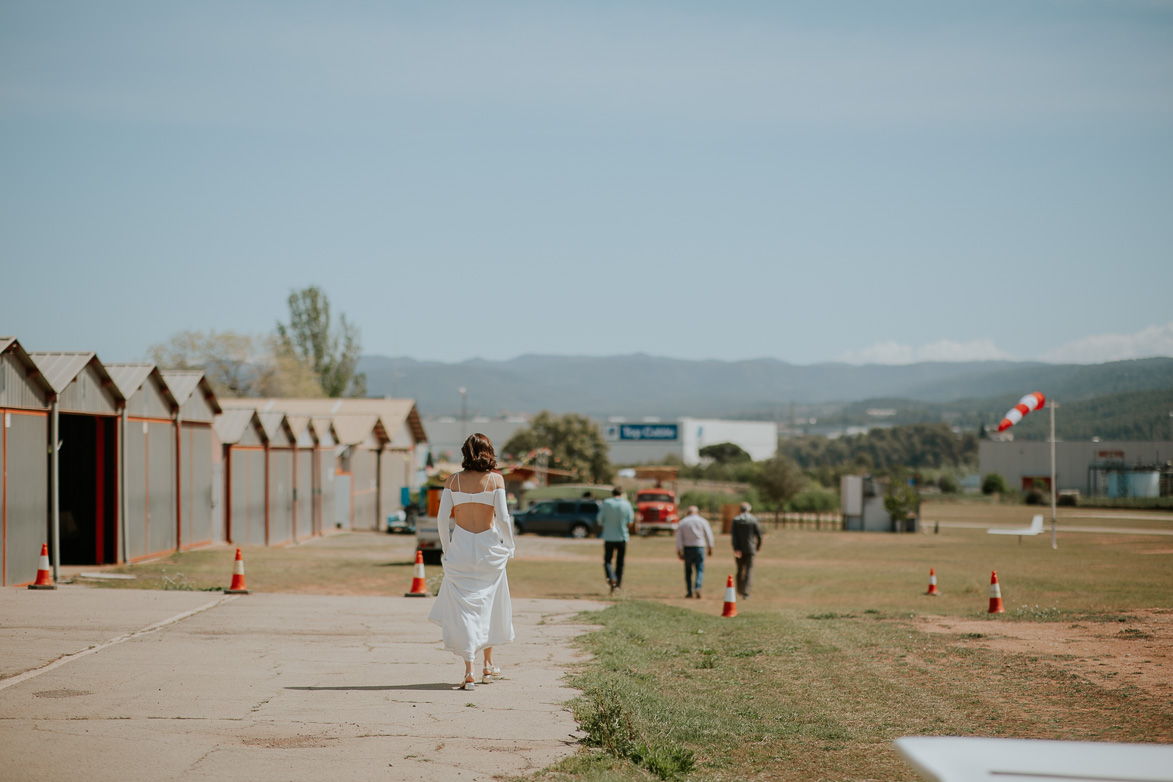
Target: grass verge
673 694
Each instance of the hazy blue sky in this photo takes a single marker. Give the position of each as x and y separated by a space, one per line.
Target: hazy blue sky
858 181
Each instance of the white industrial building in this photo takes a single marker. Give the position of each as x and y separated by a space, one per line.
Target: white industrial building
638 441
1118 468
644 442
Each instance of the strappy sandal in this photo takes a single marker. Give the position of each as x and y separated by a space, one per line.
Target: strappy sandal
469 683
489 673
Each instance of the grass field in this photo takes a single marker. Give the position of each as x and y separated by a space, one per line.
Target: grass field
829 661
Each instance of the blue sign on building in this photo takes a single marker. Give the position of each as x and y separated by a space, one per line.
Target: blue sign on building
649 432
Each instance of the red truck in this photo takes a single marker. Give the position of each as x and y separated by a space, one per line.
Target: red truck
655 510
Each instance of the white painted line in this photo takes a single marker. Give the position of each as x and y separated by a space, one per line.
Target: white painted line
925 523
135 634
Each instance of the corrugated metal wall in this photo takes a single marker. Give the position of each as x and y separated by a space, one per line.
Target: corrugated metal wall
280 495
364 468
246 475
305 493
16 390
251 437
136 490
26 493
343 500
86 395
148 402
161 486
196 408
219 512
196 448
393 466
327 485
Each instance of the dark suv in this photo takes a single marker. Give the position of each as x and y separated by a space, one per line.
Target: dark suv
576 518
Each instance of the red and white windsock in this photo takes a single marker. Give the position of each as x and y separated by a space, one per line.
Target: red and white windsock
1032 401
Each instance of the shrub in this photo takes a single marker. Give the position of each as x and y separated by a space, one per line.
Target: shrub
1033 497
993 483
814 500
900 500
948 484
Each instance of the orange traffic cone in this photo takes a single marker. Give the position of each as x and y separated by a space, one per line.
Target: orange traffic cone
238 587
730 608
44 574
995 594
419 587
932 583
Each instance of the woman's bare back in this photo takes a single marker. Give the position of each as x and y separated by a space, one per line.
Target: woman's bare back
475 517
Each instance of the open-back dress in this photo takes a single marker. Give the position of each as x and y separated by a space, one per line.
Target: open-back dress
473 605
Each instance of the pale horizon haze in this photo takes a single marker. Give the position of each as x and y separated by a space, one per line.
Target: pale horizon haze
854 181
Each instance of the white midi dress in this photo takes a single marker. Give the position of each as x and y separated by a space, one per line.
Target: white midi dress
473 607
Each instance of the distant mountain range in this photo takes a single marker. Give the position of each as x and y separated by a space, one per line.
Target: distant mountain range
642 385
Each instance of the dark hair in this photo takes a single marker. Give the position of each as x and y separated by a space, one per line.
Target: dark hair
478 454
615 492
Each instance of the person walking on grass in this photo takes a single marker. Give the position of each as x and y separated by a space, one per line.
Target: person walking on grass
615 517
694 538
747 541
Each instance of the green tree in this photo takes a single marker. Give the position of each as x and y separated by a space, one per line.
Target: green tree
332 353
993 483
238 365
574 441
780 479
900 500
725 453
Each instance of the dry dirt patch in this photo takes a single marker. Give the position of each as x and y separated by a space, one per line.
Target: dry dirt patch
1134 653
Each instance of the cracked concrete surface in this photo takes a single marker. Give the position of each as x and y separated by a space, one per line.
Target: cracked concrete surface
288 687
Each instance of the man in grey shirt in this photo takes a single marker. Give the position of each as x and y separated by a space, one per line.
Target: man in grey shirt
615 517
694 537
747 541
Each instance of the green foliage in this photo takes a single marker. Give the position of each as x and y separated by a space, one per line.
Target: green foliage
710 502
814 499
725 453
238 365
780 479
993 483
605 715
332 353
948 484
574 443
882 450
900 500
735 472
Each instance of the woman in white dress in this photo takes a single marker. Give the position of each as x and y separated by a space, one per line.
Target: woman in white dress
473 604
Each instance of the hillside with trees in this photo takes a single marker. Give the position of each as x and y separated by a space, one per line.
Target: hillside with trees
961 394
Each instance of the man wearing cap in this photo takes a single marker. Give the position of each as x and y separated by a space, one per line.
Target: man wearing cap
694 537
747 541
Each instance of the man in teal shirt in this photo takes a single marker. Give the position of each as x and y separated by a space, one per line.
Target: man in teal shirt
616 517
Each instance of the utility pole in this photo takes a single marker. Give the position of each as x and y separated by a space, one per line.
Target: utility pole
1054 488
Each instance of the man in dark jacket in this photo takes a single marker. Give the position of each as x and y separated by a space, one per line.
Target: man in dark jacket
747 541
